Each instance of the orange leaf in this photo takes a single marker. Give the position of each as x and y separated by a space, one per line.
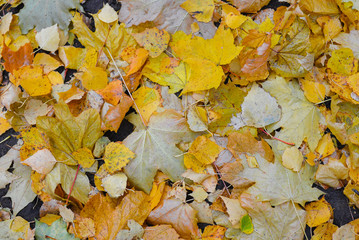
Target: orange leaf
116 114
113 92
110 216
15 60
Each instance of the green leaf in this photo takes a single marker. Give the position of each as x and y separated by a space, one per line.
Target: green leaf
68 133
246 224
155 148
45 13
64 175
57 230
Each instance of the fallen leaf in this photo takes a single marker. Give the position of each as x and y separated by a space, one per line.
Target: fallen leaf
277 184
84 157
107 14
116 156
160 232
33 80
65 175
68 133
259 109
155 148
180 215
201 10
153 40
42 161
147 100
42 14
57 230
300 118
318 212
14 60
110 218
201 153
48 38
115 185
292 159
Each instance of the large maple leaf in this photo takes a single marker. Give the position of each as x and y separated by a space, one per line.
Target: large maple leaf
300 118
155 148
45 13
277 184
281 222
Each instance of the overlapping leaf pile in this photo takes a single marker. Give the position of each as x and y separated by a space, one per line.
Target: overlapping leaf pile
236 112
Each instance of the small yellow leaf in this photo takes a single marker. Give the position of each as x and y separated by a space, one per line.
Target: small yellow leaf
117 156
49 218
354 138
325 146
33 80
234 21
93 78
147 100
107 14
74 93
55 78
202 10
343 62
313 91
153 40
47 62
213 232
115 185
84 157
318 212
292 159
199 194
201 153
252 161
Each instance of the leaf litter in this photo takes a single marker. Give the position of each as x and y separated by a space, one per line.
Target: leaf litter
237 112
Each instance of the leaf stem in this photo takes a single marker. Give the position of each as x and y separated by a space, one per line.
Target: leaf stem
292 144
73 184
